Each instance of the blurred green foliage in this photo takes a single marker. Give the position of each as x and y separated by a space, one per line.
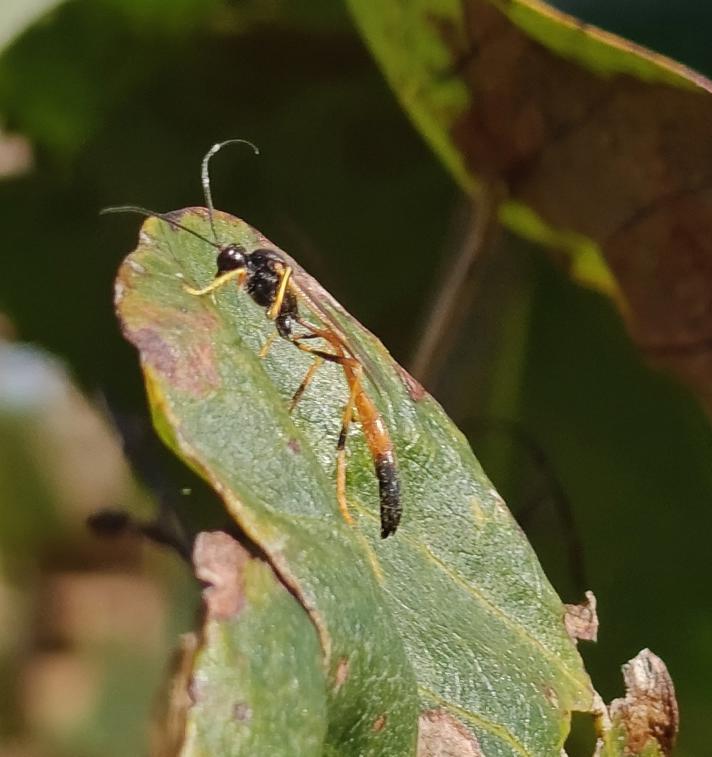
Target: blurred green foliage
120 99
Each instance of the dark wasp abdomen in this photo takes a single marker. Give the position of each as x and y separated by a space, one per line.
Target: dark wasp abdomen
389 491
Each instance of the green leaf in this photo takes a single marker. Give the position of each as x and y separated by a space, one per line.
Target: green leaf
452 618
599 147
254 631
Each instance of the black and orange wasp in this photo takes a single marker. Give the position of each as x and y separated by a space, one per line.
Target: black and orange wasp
278 285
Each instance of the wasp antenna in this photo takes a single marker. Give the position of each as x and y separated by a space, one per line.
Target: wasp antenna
205 176
129 209
163 216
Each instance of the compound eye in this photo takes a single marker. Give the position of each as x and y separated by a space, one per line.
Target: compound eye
230 257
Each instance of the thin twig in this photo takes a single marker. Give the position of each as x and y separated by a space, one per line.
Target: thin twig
457 290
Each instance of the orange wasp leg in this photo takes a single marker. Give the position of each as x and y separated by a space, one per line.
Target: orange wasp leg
308 376
340 358
346 418
374 430
267 346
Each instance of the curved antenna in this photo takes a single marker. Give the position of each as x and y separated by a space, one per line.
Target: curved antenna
163 216
205 176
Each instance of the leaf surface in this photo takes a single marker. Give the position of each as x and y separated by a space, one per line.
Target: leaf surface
253 631
452 618
17 15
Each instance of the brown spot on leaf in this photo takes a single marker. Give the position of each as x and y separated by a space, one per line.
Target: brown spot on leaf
242 712
177 345
294 446
155 351
379 724
581 620
441 735
342 673
219 561
649 709
189 366
551 696
415 388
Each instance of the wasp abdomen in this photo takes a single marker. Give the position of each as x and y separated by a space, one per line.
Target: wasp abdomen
389 491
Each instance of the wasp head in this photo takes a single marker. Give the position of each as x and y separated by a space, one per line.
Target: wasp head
230 258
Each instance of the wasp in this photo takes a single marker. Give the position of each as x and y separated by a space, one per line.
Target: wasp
274 284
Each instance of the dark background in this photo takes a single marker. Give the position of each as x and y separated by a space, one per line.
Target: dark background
120 99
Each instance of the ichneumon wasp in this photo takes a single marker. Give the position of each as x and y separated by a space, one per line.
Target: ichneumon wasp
274 284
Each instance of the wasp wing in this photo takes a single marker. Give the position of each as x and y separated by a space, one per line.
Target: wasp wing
330 312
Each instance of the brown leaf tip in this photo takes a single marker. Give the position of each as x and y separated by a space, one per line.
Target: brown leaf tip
219 561
441 735
581 621
649 708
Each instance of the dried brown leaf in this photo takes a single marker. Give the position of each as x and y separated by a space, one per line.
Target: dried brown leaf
601 148
649 709
581 620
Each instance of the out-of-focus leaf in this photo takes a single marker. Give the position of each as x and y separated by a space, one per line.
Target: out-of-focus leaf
17 15
81 647
452 616
602 149
46 430
92 73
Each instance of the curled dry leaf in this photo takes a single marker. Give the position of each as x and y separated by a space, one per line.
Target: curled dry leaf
581 620
602 149
649 708
646 719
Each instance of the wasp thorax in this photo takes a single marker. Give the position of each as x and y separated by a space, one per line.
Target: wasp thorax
230 257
